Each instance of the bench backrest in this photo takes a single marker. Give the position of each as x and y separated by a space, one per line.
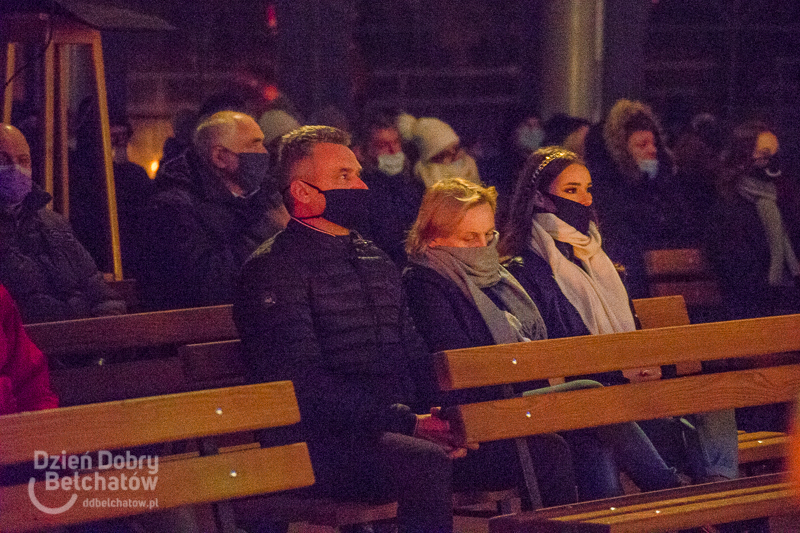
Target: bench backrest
76 385
116 429
176 327
682 271
521 362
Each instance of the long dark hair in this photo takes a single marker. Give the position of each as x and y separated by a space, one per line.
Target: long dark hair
740 153
536 177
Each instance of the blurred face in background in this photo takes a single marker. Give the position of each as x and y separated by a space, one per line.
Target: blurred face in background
642 146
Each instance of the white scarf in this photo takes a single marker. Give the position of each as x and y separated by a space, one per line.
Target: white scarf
596 291
781 255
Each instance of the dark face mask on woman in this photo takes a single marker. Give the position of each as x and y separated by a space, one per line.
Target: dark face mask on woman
348 208
573 213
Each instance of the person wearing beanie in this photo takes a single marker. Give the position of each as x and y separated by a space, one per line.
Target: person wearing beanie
440 152
274 124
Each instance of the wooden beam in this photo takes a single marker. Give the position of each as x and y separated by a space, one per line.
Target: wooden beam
180 326
528 361
546 413
128 423
235 475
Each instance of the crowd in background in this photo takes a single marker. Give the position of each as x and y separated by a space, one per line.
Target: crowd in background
544 236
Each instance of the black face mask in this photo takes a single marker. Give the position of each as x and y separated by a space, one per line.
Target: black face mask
575 214
768 172
348 208
253 171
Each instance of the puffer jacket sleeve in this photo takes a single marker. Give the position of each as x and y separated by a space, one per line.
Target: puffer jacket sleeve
24 379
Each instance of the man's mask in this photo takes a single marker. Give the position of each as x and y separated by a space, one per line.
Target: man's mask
253 170
15 184
348 208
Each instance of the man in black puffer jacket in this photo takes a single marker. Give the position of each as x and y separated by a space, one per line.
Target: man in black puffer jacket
215 205
322 307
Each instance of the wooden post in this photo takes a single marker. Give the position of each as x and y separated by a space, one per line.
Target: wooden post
8 96
108 163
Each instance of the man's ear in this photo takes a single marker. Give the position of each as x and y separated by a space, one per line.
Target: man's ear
219 157
300 191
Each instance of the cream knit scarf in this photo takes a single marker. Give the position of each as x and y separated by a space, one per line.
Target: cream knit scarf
781 255
595 290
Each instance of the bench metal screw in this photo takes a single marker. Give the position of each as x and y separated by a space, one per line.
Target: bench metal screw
528 414
761 442
219 410
513 361
658 512
233 473
613 508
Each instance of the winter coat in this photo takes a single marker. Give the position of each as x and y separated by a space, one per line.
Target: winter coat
197 235
24 382
48 272
636 213
447 320
329 314
394 204
736 246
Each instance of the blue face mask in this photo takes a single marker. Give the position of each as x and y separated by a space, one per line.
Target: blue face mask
529 138
15 184
649 167
253 170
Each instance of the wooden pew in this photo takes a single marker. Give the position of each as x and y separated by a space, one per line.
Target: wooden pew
518 417
119 427
63 342
669 311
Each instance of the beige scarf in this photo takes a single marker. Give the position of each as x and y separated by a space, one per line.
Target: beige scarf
595 290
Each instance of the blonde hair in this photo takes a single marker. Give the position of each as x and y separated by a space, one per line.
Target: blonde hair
443 207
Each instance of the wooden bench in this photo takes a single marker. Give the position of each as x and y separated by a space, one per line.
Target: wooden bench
165 373
666 311
519 417
685 272
117 428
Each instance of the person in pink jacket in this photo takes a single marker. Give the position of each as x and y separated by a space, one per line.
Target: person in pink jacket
24 380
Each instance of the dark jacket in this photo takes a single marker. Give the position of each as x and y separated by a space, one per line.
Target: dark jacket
447 320
536 277
395 201
636 214
46 270
560 316
197 235
737 248
329 314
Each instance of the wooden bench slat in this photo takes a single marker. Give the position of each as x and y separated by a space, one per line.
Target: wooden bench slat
527 361
679 508
506 419
661 312
181 326
179 483
318 511
129 423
